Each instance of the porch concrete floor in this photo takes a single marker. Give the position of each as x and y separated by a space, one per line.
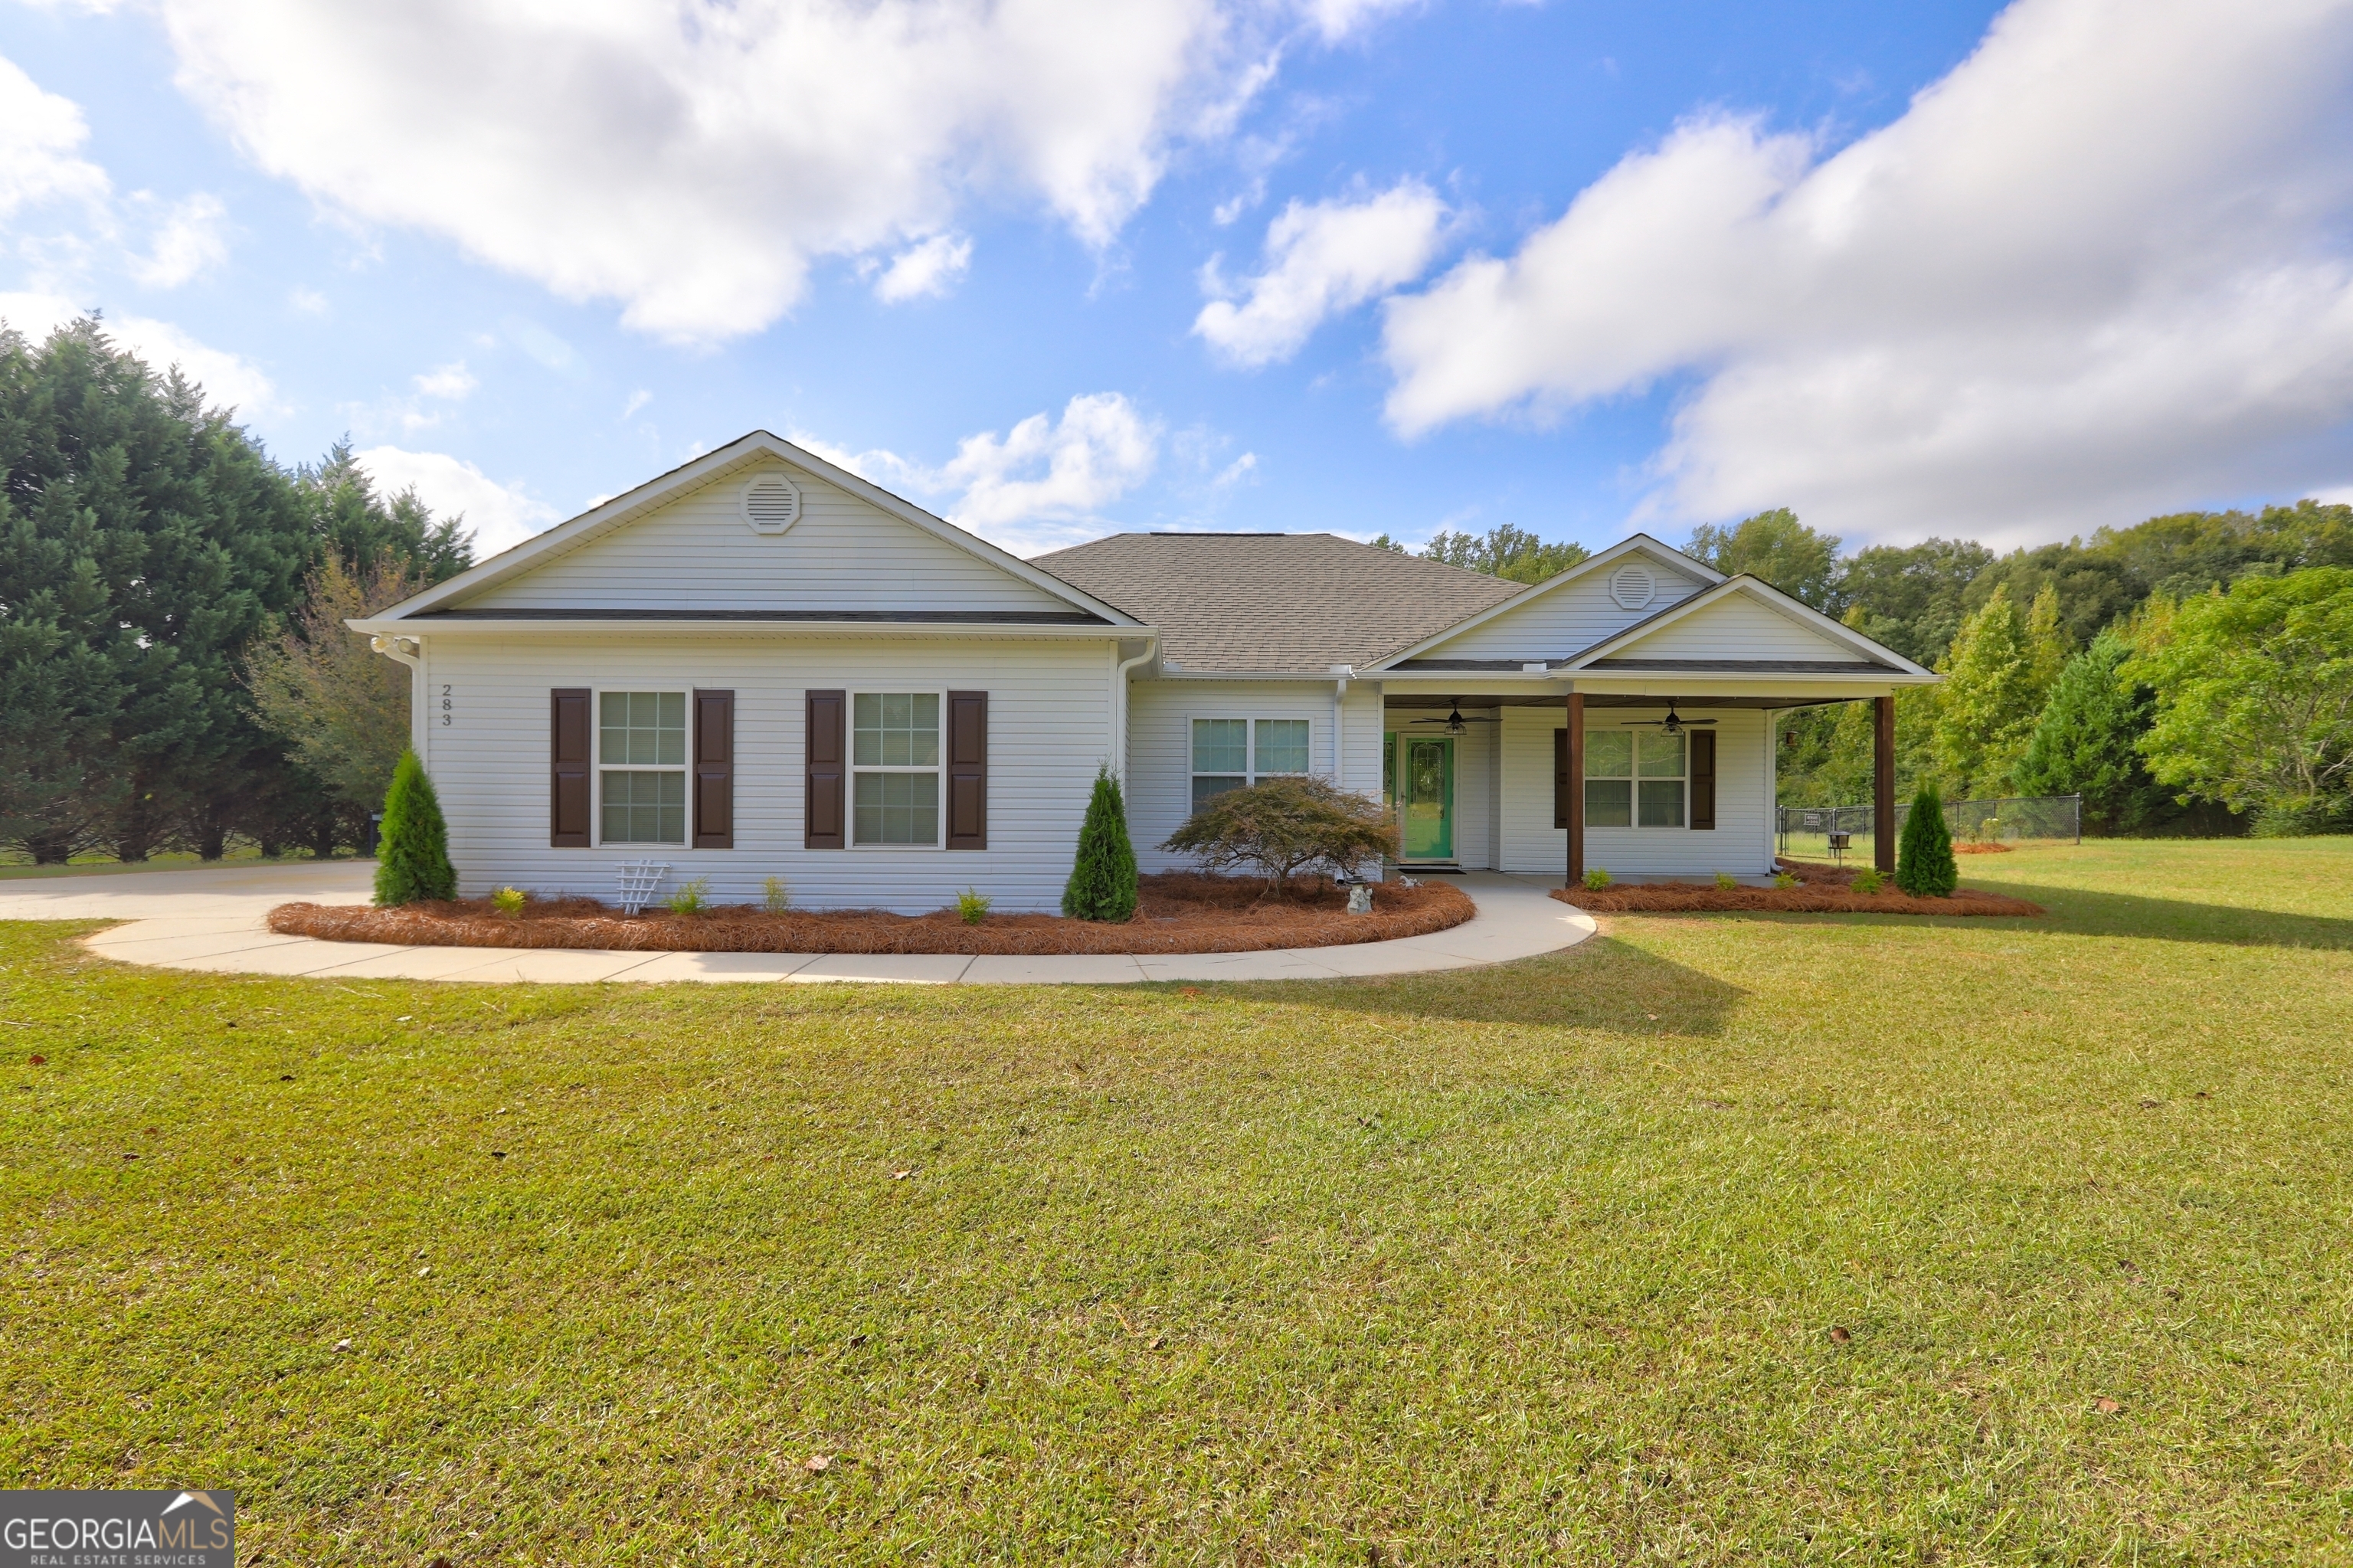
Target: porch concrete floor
215 920
1553 879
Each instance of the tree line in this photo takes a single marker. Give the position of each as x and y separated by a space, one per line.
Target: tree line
171 602
2190 674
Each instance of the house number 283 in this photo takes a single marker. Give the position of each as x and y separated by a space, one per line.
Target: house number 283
446 706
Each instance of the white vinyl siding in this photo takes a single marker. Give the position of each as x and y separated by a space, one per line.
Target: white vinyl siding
1160 750
1736 627
696 553
1049 711
1567 619
1741 842
1478 792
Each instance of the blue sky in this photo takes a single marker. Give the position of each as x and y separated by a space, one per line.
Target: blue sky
1054 268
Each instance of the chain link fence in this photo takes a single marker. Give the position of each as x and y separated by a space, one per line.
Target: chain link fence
1824 831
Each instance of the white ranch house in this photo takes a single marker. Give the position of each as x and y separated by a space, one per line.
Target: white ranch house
760 665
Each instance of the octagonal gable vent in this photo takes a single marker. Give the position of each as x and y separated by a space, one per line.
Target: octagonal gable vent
772 503
1633 586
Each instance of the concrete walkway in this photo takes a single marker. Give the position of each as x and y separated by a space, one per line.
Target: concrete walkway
215 920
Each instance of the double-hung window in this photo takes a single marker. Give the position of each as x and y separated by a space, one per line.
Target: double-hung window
1228 753
894 758
1634 779
641 767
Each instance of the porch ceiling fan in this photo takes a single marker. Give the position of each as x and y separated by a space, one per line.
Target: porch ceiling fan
1673 723
1454 722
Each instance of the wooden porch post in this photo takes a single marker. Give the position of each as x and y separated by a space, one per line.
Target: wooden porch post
1576 788
1883 783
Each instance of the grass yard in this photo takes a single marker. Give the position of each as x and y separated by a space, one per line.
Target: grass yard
1764 1238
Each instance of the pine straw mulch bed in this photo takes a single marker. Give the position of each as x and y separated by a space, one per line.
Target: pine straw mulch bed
1177 912
1821 890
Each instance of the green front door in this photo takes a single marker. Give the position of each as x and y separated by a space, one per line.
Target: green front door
1424 795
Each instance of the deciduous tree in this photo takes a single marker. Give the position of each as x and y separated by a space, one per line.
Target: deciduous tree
2255 696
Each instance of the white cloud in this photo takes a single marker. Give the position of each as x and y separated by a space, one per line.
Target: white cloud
309 302
2101 268
1338 18
1321 259
39 135
638 399
933 267
449 382
1041 484
192 238
228 379
501 515
690 161
1064 469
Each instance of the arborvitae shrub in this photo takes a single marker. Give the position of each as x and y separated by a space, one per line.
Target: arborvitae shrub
1102 880
1924 859
413 860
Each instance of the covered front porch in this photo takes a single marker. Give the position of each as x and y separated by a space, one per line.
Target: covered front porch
1645 779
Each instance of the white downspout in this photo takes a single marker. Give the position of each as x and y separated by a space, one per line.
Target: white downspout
1340 724
1119 704
410 650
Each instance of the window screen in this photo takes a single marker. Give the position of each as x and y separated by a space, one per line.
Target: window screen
641 758
1609 778
1220 757
894 755
1281 747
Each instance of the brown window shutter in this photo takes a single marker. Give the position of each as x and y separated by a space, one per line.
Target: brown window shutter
570 735
967 770
714 770
1560 777
827 756
1702 778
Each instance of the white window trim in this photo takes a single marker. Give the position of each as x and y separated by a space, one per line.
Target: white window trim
597 747
1250 774
1634 798
939 768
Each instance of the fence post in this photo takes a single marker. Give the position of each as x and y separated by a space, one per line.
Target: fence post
2079 819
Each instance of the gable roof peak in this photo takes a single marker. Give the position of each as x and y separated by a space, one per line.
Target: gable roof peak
754 446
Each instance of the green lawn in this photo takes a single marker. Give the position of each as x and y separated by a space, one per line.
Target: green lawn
16 867
1768 1238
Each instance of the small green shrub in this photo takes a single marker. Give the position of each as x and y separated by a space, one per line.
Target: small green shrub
1596 877
1784 880
972 907
691 898
1925 867
1726 881
1870 880
508 901
413 860
775 897
1102 877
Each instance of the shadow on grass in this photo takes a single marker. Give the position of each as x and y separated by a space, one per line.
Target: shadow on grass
2174 919
2082 912
1601 983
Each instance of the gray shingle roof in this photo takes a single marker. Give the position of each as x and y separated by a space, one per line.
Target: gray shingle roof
1269 603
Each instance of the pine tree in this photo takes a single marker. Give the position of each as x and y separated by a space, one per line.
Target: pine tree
1103 879
413 862
1923 863
2084 743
